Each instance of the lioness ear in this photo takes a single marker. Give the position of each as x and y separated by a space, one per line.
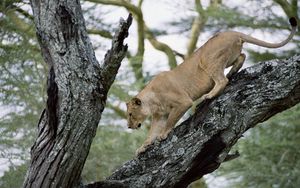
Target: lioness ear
137 101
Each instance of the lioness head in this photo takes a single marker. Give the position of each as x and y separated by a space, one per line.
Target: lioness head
135 115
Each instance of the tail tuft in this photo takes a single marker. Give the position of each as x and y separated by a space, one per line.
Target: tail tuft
293 21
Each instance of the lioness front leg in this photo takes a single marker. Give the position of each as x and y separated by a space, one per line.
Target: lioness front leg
143 147
176 113
157 125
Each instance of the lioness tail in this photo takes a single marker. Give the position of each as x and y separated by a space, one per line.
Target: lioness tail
252 40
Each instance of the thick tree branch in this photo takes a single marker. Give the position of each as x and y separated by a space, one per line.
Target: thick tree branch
77 90
201 143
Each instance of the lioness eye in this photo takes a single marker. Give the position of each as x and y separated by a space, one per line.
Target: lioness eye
130 114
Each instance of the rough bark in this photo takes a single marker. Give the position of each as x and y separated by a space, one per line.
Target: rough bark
77 90
201 143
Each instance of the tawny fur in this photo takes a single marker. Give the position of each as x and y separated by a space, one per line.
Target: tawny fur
171 93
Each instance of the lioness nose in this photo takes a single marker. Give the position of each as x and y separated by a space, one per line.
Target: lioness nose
139 125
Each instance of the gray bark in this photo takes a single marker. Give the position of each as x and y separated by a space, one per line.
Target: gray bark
77 90
201 143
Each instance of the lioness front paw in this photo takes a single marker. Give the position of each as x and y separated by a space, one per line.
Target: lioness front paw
163 136
142 149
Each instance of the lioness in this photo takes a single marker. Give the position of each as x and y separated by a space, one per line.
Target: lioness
171 93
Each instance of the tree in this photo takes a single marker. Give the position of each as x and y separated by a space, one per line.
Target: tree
77 89
203 148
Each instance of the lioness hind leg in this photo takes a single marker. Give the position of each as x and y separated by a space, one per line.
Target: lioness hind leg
220 84
237 65
175 114
195 104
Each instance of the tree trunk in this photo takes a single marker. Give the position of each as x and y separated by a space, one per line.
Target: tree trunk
77 90
201 143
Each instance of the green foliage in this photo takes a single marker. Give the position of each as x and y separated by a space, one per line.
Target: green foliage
14 177
22 81
261 56
111 147
270 154
199 184
255 56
